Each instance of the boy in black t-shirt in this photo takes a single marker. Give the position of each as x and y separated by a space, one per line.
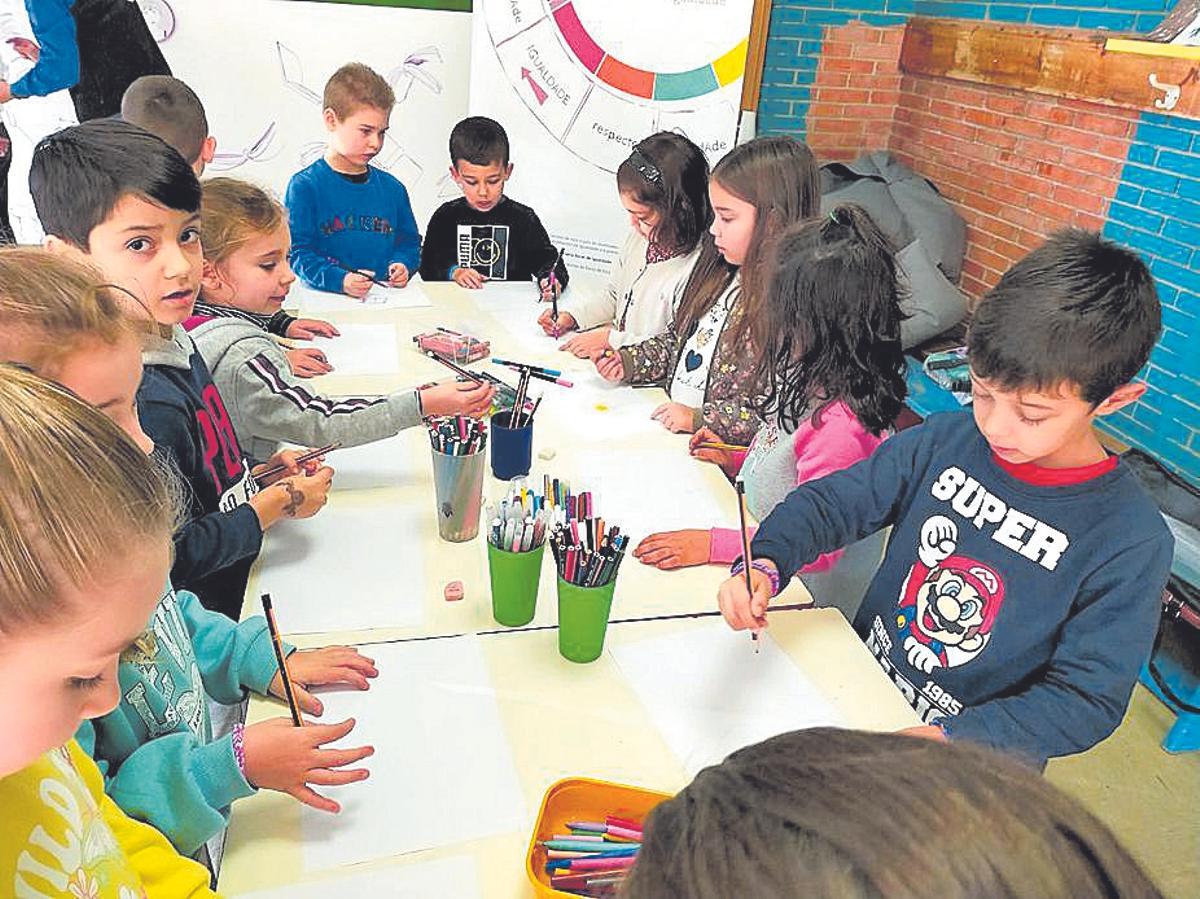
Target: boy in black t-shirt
485 236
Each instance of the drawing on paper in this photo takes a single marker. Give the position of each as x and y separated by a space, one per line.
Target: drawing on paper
263 149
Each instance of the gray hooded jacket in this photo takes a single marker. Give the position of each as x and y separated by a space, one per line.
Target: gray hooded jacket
269 405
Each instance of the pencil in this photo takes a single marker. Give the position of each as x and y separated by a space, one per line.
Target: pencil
288 690
454 367
740 485
355 271
729 447
520 365
300 460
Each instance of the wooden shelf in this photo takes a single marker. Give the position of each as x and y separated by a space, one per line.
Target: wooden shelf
1151 48
1058 62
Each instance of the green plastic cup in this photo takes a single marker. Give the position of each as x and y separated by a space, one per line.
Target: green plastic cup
515 579
583 620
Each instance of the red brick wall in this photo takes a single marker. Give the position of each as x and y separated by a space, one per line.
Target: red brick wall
1016 165
855 92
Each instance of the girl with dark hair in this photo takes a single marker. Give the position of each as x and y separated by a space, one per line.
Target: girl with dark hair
664 188
828 359
757 190
827 812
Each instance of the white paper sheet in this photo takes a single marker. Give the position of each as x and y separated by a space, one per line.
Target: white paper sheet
710 693
442 772
362 350
455 876
352 566
650 493
318 302
383 463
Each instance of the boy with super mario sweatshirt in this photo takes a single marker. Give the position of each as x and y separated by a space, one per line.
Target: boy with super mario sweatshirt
1019 595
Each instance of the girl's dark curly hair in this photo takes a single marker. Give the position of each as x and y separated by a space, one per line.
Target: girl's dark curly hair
830 327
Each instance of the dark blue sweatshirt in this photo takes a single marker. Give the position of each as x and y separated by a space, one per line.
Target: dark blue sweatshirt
1019 615
184 415
365 225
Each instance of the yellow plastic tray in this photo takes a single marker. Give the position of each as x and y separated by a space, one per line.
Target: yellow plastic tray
581 799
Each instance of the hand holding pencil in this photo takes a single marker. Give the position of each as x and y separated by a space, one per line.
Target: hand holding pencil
707 446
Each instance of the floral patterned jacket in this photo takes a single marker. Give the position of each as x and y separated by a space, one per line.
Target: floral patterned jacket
730 392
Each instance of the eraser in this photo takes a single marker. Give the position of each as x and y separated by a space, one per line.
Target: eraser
454 591
546 454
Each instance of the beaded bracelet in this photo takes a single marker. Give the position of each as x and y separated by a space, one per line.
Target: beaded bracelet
764 567
239 746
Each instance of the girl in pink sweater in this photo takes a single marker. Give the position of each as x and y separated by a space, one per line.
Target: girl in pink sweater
833 375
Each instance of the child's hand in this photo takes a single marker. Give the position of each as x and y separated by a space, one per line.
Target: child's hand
586 345
609 365
724 458
458 398
306 494
357 284
926 732
468 278
397 274
308 328
5 91
283 757
308 362
741 611
675 549
286 458
675 417
564 323
316 667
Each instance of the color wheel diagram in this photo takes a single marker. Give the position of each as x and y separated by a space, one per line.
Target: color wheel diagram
600 75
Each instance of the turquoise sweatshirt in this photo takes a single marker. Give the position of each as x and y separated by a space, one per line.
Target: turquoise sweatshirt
155 750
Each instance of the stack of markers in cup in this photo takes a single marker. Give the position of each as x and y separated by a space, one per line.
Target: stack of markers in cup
587 552
519 522
594 858
457 435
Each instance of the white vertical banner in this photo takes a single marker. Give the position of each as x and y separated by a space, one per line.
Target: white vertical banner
576 83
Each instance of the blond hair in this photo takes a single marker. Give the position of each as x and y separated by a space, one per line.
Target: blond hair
354 86
231 213
78 495
50 306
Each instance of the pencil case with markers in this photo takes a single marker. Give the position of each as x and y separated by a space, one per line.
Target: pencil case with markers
950 370
452 345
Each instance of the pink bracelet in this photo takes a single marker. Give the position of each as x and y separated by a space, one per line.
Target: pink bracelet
239 746
760 565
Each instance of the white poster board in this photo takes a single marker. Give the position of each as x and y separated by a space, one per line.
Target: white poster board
260 66
576 83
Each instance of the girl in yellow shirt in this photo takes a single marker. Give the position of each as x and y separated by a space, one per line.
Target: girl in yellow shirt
85 543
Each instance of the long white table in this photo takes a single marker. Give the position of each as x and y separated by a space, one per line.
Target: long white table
556 718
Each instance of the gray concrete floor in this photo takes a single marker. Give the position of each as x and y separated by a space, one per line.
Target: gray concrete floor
1148 797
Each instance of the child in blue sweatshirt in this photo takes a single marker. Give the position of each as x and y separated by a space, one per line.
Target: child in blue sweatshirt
156 749
1019 595
121 199
352 222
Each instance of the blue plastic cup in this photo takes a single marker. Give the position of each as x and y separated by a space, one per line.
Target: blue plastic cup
512 448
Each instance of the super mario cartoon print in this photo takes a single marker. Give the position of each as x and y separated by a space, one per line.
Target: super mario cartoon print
948 602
